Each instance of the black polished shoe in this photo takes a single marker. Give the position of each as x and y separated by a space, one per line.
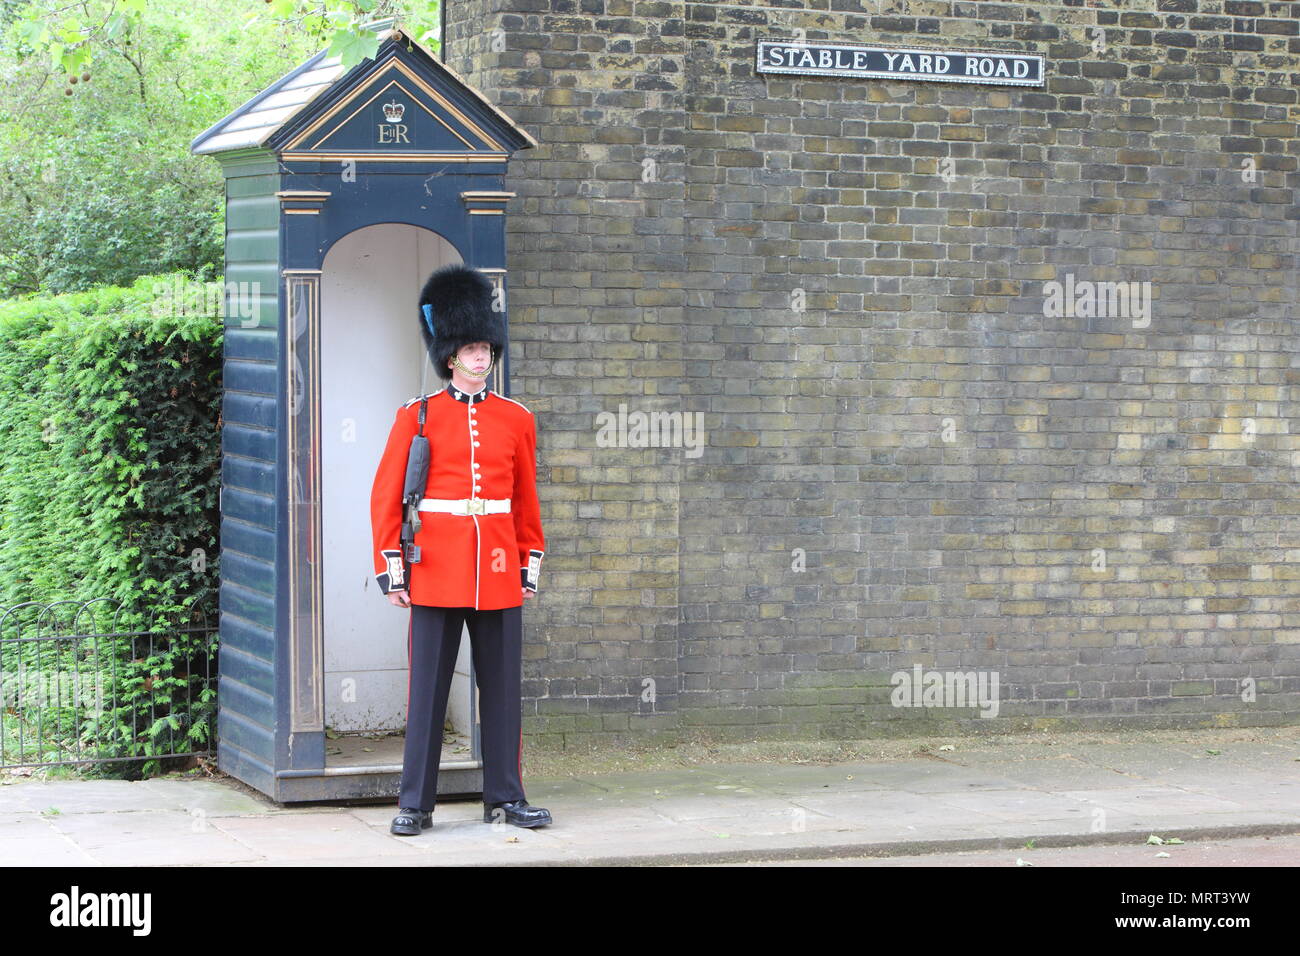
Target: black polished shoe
518 813
410 821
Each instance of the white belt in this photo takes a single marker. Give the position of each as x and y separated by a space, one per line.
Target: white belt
467 506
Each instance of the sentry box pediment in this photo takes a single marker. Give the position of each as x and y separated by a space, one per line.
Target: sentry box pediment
403 105
396 113
344 190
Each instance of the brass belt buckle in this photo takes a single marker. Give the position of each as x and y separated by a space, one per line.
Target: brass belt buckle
474 506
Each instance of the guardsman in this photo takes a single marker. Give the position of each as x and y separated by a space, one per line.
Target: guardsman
475 555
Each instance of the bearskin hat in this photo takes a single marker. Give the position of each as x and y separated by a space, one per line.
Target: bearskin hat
455 310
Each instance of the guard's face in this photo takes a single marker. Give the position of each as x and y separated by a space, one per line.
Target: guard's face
476 356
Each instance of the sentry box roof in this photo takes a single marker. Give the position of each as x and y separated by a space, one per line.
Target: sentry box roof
317 111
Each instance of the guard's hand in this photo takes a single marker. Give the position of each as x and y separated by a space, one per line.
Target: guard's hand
527 593
399 598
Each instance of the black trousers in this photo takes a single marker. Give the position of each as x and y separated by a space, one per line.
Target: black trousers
496 645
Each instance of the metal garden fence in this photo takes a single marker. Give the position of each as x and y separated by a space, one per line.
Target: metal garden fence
77 688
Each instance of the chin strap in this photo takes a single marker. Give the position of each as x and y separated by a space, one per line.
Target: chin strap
484 374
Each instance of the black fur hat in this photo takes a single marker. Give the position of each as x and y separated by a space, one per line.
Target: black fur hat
457 302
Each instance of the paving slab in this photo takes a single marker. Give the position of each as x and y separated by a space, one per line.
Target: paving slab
796 778
94 796
294 836
150 838
1147 799
28 839
214 798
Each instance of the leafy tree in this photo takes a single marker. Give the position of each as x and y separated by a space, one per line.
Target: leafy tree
97 184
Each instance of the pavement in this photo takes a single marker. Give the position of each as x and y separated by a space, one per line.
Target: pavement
925 803
1197 853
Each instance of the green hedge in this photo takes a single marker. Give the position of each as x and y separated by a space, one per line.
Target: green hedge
110 467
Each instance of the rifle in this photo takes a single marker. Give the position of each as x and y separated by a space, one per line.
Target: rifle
417 474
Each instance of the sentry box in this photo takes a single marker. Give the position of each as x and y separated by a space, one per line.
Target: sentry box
344 190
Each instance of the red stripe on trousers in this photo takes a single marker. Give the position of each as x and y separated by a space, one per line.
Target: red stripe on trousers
409 628
519 765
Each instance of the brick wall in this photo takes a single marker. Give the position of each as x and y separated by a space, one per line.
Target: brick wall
910 458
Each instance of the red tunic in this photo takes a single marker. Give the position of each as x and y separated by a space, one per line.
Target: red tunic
480 446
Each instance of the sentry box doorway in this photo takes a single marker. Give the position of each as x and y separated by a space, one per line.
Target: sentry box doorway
344 190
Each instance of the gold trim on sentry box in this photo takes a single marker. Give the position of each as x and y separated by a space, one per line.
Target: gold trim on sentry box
461 80
404 157
399 66
384 92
